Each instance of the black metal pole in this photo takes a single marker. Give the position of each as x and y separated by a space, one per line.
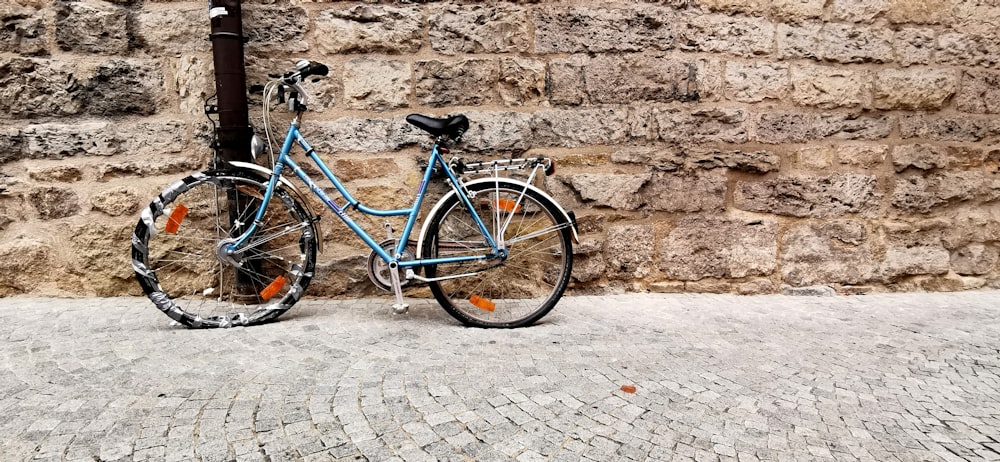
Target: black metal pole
233 133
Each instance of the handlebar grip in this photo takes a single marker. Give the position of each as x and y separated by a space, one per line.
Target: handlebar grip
316 69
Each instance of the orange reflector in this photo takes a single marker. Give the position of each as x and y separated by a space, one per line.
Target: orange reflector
628 388
508 205
176 217
482 303
273 288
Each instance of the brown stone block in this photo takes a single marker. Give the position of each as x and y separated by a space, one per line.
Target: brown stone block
914 45
174 29
839 251
498 132
675 158
722 124
980 92
975 259
458 29
40 88
756 82
24 30
901 261
921 194
356 134
930 157
844 43
972 49
468 82
614 190
864 11
921 11
915 88
710 247
810 196
580 127
964 128
698 191
117 201
369 29
602 30
354 169
23 263
798 127
92 27
522 81
829 87
629 251
54 202
275 27
376 84
740 36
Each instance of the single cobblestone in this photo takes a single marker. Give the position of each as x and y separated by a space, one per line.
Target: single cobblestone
717 377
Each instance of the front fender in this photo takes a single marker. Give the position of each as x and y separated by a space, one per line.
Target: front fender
518 184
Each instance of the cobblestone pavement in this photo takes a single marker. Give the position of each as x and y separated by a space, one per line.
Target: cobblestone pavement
881 377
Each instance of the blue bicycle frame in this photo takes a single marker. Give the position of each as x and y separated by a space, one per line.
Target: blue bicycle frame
284 160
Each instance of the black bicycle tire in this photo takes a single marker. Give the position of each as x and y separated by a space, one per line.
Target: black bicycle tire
429 250
147 278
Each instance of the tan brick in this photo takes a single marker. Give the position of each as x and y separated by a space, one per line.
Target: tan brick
980 92
756 82
915 88
829 87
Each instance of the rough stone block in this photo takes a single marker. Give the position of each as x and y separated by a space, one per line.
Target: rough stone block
92 27
622 80
698 191
355 169
566 83
61 174
829 87
709 247
930 157
676 158
39 87
964 128
974 259
721 124
602 30
175 29
479 29
910 261
914 45
369 29
810 196
828 252
522 81
914 88
376 84
740 36
271 27
968 48
116 202
195 80
121 87
796 127
23 263
844 43
54 202
629 251
581 127
22 30
469 82
976 12
618 191
980 92
756 82
922 194
498 131
920 11
859 10
56 141
588 260
11 144
783 9
355 134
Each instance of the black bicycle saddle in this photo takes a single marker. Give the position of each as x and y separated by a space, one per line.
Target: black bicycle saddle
453 127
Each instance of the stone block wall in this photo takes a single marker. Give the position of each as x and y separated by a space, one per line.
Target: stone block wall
706 145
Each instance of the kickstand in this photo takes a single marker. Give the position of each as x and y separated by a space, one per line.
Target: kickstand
399 307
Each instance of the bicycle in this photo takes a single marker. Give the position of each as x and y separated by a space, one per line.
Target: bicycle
236 245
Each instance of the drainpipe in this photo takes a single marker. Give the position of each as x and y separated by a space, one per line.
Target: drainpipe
234 132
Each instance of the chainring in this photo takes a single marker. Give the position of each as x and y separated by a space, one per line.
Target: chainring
378 269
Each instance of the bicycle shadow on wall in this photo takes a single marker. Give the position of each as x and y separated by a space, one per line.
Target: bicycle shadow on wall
236 246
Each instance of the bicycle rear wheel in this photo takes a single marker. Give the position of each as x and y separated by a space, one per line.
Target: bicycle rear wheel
179 262
512 292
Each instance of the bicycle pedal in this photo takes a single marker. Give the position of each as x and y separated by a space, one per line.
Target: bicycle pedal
400 308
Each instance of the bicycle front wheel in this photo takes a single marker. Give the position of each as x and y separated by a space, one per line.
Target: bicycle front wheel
503 292
180 262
